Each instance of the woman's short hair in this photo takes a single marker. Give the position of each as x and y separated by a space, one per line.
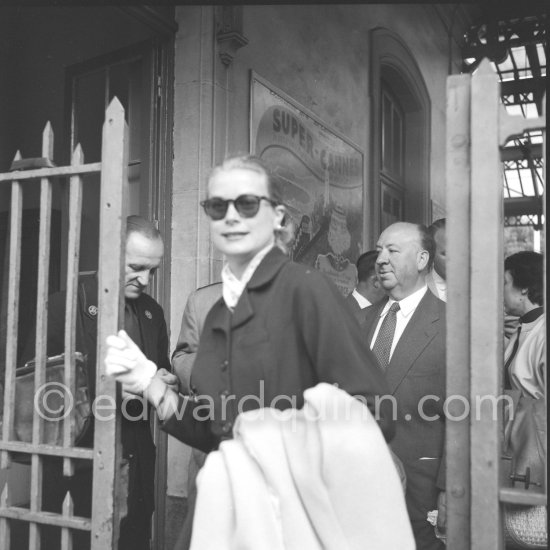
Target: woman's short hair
255 164
284 235
526 269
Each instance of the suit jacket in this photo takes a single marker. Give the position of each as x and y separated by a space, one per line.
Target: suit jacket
198 305
352 302
358 311
290 330
416 378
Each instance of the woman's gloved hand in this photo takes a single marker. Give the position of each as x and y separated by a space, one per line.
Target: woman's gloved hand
127 363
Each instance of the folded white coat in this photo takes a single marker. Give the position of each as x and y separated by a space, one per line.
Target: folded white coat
317 478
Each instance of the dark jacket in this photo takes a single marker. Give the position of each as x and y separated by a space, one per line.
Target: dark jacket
416 371
137 442
290 330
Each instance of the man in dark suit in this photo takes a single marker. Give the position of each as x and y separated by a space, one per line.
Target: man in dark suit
368 290
144 322
406 331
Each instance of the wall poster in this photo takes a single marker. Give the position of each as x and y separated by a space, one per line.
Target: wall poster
321 173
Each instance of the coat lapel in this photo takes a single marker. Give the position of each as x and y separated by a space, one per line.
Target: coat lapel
419 332
370 319
244 310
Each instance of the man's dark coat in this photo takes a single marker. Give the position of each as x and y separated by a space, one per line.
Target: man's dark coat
137 442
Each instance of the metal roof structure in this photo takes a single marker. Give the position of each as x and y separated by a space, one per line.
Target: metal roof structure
515 40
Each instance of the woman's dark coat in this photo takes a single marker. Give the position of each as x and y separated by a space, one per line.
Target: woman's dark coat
290 330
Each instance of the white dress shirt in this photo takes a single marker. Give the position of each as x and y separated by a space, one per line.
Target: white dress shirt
440 285
406 309
232 287
360 299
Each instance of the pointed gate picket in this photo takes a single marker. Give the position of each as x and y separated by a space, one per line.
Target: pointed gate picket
106 452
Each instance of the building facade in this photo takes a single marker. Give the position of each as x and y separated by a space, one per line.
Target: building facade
348 101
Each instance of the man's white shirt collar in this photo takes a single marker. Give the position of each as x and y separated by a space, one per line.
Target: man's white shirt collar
406 308
407 305
360 299
440 285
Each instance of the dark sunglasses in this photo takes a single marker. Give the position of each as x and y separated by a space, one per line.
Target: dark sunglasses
246 205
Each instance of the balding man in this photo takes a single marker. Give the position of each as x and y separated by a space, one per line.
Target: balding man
407 334
144 322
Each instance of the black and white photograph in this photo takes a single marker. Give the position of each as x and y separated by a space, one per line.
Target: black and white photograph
273 275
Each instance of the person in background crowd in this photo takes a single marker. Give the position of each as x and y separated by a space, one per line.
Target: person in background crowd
437 277
279 329
368 290
197 307
144 321
525 367
407 334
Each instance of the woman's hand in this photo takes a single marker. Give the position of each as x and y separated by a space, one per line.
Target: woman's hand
127 364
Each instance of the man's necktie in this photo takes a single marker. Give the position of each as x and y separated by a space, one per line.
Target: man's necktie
384 339
507 378
131 323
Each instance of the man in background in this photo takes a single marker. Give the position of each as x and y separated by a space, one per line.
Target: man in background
437 277
368 290
144 322
406 332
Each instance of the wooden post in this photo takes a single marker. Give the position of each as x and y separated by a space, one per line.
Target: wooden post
14 277
5 530
41 332
458 311
486 307
73 255
107 444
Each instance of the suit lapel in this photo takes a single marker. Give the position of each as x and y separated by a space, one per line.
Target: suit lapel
370 319
419 332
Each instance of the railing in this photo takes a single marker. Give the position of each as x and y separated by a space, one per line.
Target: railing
106 452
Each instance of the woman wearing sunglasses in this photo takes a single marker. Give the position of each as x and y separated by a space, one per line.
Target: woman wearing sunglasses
279 329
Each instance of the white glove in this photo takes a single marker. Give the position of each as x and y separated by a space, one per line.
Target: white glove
127 363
